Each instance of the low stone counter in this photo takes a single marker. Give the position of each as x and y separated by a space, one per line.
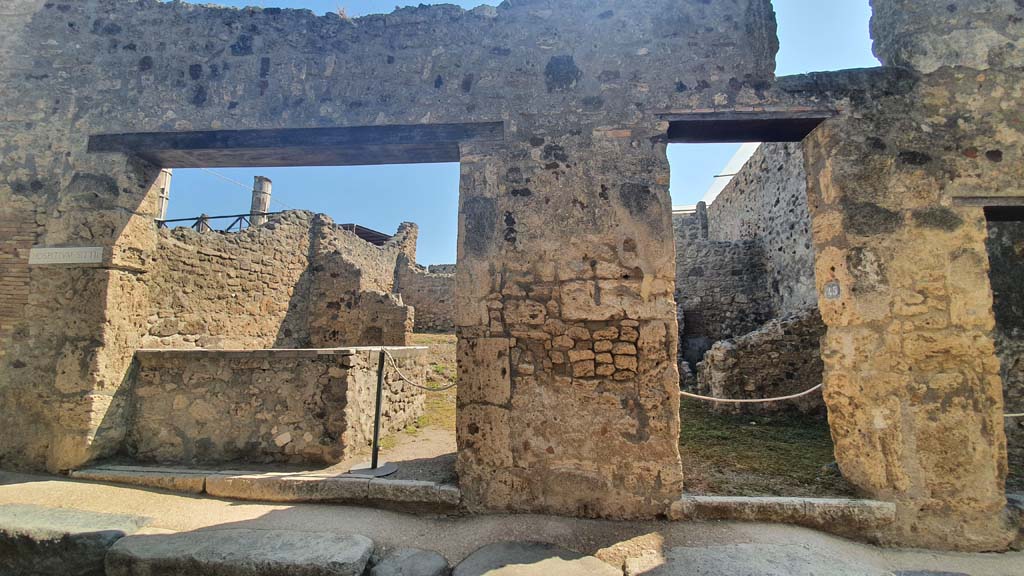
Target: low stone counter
264 406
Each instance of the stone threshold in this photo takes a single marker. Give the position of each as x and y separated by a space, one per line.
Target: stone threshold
840 516
286 487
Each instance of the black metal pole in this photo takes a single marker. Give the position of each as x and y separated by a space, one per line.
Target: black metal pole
377 416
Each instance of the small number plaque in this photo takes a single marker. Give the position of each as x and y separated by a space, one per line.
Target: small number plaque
833 291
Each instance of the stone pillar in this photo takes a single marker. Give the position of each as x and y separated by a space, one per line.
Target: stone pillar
911 376
261 188
568 384
163 184
928 34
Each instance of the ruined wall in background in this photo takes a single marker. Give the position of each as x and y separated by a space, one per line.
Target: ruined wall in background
234 290
721 286
297 281
1006 256
430 293
778 359
767 202
289 406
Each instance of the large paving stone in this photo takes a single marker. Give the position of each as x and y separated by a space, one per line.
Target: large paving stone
412 562
241 553
39 541
531 559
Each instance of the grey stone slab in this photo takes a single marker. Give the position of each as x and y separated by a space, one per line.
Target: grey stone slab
765 560
288 488
531 559
241 553
412 562
39 541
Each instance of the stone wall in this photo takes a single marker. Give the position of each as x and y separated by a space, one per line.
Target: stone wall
430 293
564 223
258 406
778 359
297 281
912 380
721 288
767 202
928 34
1006 255
576 85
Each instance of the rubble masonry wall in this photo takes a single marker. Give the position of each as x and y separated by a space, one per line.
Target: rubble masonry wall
287 406
297 281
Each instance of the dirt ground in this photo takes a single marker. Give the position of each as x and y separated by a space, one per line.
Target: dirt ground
726 455
426 450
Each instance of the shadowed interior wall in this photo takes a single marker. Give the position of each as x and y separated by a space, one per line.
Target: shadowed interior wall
1006 254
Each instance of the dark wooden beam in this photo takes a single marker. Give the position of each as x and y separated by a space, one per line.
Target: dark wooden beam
736 127
342 146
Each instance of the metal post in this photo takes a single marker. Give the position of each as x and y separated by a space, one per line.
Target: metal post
376 469
380 407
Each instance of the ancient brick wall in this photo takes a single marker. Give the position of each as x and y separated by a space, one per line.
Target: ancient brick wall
767 202
291 406
721 286
297 281
778 359
1006 256
431 294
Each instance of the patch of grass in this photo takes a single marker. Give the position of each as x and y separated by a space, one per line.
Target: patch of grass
727 455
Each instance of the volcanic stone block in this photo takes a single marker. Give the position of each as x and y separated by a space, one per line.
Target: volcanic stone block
531 559
38 541
241 553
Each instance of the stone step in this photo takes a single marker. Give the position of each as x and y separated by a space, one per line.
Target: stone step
45 541
836 515
286 487
241 552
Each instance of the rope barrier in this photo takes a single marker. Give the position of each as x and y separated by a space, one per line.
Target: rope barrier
404 378
780 399
752 401
394 365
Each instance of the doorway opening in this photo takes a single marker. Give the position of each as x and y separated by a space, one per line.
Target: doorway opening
748 310
1006 272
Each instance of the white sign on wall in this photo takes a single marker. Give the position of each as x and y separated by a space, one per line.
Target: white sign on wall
76 255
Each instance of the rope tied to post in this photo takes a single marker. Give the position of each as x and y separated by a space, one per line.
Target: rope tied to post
394 365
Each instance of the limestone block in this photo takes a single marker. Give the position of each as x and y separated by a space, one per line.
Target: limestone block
484 370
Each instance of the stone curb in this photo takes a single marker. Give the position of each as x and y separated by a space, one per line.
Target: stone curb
286 487
835 515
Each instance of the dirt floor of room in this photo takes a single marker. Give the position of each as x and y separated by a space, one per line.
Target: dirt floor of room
742 455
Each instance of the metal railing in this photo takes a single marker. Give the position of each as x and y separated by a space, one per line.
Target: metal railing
201 223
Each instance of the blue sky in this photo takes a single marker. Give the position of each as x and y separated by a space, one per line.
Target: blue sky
814 35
